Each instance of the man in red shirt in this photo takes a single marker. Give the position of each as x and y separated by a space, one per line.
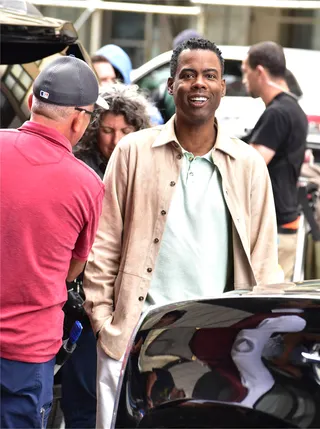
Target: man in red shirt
50 207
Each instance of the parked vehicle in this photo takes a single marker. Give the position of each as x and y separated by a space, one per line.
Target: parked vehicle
238 361
238 111
28 41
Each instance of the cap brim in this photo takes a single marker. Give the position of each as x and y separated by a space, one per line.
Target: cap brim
101 102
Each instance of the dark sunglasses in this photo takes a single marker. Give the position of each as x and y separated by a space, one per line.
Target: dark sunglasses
80 109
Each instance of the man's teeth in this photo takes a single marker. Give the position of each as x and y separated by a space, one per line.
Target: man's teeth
198 99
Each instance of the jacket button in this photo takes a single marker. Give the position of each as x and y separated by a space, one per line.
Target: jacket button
172 183
156 240
149 270
141 298
163 212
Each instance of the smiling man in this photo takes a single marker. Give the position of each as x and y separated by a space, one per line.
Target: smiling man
188 213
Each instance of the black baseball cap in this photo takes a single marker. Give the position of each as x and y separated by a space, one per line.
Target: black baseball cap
68 81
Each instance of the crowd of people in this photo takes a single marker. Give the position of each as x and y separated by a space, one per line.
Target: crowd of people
95 186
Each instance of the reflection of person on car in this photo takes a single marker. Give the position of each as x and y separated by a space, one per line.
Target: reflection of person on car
166 320
264 393
140 352
247 352
215 347
160 387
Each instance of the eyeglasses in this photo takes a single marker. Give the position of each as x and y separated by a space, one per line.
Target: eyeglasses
80 109
93 116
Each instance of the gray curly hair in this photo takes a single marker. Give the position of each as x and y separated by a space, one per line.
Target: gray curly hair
126 100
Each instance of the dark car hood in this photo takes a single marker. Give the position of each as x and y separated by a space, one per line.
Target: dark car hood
255 356
28 37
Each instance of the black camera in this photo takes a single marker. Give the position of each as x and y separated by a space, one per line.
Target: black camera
73 308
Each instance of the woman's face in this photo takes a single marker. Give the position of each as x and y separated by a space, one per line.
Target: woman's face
112 129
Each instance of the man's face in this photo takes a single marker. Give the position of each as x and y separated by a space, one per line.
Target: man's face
112 129
250 79
105 72
198 85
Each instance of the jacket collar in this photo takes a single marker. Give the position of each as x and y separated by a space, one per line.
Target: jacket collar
224 143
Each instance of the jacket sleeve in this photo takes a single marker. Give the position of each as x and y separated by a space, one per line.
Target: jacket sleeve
104 259
263 237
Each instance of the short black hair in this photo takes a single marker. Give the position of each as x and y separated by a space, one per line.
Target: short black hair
194 43
269 55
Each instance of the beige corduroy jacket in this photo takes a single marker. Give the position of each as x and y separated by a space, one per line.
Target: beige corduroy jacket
140 181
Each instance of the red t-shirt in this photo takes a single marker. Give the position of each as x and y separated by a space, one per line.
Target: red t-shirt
50 206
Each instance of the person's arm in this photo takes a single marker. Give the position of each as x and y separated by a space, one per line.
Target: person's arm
263 238
269 134
151 379
266 153
104 259
75 269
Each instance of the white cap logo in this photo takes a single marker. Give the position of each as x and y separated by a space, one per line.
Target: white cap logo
44 94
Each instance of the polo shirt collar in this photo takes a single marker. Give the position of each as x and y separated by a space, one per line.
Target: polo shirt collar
207 156
223 142
46 132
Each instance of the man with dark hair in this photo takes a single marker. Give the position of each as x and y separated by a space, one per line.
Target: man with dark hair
280 137
195 44
50 207
188 213
270 56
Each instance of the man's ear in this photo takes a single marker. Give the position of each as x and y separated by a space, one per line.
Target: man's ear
170 85
77 122
261 70
30 101
223 87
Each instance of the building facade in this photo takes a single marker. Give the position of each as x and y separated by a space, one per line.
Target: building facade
144 35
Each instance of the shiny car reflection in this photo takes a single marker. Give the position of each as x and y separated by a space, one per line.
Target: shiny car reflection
246 361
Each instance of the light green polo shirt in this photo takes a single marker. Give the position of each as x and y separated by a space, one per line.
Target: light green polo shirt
195 254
